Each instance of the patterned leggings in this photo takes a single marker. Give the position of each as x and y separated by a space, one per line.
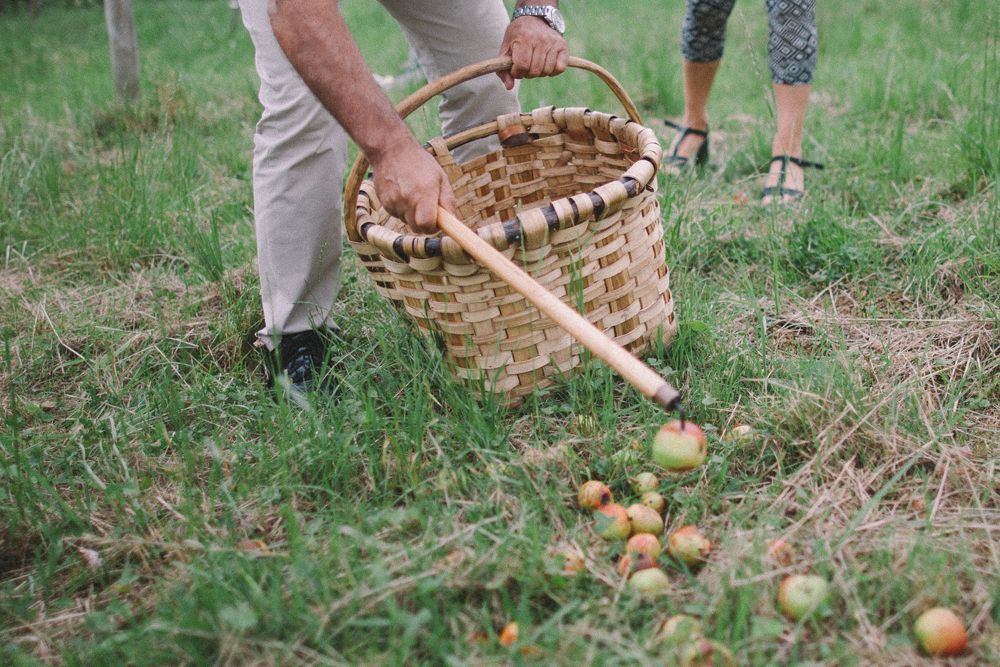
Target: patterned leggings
791 43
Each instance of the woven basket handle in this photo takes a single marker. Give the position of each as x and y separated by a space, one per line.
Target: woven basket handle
494 65
420 97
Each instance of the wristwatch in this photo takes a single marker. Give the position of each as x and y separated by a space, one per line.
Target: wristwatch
547 13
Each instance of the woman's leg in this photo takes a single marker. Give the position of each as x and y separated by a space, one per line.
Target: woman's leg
702 41
792 53
698 79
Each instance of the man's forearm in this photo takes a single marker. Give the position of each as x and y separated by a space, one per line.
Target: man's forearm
319 45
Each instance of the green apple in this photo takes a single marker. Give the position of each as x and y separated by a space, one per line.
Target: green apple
801 594
738 433
644 482
654 500
679 448
679 628
644 520
650 581
688 545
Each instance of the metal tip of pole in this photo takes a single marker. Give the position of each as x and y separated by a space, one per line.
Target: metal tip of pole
667 398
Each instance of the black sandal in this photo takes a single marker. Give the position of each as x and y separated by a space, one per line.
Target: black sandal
680 162
780 190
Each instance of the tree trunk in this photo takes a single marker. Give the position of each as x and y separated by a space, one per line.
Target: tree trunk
124 49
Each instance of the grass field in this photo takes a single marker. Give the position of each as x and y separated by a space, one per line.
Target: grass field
398 520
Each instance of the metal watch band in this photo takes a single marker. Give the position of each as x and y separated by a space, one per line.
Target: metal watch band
547 13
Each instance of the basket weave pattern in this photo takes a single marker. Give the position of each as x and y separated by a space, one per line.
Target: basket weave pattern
598 248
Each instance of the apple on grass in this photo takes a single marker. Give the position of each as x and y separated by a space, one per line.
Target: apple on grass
680 447
612 522
645 482
780 552
643 543
689 546
633 562
644 519
801 594
706 653
679 628
653 500
508 636
572 563
941 632
738 433
593 494
649 581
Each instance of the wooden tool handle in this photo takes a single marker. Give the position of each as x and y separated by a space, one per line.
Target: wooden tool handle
638 374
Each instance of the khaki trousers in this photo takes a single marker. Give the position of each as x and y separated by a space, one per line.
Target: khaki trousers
300 150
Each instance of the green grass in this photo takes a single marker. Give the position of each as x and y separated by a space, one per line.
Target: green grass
858 335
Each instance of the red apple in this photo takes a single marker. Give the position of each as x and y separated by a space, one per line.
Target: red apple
644 520
593 494
643 543
780 552
941 632
634 562
612 522
644 482
509 634
688 545
801 594
680 448
651 581
653 500
572 563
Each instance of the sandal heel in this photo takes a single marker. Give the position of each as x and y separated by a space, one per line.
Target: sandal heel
701 159
677 164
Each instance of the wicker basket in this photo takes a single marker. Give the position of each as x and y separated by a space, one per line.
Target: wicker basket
571 197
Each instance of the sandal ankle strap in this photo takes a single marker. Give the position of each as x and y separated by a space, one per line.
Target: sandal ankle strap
685 129
796 161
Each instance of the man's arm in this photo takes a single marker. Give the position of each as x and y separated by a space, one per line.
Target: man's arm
409 181
319 45
536 49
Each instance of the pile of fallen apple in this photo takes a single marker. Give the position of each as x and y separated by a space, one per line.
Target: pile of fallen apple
682 446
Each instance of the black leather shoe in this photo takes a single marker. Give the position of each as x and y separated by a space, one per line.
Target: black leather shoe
298 361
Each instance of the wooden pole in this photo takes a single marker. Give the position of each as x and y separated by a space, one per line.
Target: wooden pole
124 49
638 374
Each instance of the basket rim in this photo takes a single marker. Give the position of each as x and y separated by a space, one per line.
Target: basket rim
530 224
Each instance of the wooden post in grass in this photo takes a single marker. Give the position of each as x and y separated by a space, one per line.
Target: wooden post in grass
124 49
